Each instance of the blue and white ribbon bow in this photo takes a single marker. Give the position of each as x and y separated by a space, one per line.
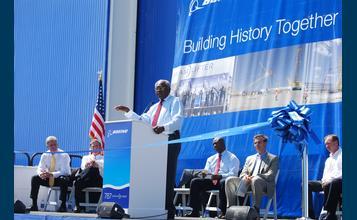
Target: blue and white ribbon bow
293 124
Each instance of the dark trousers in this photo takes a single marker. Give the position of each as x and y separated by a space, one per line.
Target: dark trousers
89 177
332 195
172 155
61 181
199 186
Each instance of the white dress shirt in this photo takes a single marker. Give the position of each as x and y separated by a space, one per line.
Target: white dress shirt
170 115
62 163
258 163
99 159
333 167
229 164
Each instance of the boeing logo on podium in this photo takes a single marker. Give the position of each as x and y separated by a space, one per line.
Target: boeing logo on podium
119 131
195 5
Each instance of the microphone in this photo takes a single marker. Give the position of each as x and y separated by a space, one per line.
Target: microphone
148 107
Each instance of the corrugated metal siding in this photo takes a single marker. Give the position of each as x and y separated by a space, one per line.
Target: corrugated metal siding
155 47
59 47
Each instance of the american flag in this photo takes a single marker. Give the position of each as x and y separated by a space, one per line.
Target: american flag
97 129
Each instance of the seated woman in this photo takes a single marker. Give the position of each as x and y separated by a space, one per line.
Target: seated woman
91 173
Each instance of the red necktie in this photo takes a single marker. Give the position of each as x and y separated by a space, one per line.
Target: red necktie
157 114
216 170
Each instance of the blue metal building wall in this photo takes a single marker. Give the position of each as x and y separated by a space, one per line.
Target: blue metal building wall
59 47
155 43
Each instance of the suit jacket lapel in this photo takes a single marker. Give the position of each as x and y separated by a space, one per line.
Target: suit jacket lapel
264 164
252 164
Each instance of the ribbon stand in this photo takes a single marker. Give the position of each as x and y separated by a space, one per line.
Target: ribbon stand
305 179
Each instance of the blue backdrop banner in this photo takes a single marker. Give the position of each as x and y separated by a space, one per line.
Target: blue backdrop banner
237 61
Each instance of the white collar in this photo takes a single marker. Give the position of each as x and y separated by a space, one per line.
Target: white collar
334 155
58 150
223 153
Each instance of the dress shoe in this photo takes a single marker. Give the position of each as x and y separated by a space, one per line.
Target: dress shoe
222 216
78 209
34 208
171 215
257 209
193 214
62 208
330 216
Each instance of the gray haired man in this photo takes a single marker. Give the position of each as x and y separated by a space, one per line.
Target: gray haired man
53 170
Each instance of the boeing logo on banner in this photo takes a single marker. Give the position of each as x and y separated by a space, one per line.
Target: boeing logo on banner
195 5
120 131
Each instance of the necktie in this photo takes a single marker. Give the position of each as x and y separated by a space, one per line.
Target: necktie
216 170
51 180
157 114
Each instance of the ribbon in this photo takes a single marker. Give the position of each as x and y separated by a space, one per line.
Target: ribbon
293 124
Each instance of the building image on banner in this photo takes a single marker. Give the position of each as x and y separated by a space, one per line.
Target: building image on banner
204 88
264 79
309 74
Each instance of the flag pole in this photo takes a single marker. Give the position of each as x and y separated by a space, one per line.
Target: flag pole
100 75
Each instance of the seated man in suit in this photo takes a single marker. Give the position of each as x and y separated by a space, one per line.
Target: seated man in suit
218 167
257 175
53 170
331 182
91 174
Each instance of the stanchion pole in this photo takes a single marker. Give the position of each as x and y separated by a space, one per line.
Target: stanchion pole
305 181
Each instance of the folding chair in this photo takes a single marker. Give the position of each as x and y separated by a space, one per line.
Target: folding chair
208 206
270 200
55 202
185 194
338 210
87 203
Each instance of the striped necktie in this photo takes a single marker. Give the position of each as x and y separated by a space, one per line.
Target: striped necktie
51 180
218 167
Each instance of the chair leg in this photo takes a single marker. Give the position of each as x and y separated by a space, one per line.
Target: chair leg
245 199
48 198
184 203
209 200
175 198
275 207
267 208
204 211
71 199
86 199
56 199
99 201
217 202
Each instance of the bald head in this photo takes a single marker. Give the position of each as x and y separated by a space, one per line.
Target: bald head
162 88
219 145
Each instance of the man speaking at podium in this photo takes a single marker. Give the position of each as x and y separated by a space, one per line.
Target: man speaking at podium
165 117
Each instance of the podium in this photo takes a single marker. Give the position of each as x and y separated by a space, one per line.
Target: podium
135 173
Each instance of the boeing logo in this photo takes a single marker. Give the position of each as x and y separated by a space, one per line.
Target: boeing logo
120 131
195 5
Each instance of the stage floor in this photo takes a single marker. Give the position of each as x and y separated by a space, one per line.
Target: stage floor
67 216
70 216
